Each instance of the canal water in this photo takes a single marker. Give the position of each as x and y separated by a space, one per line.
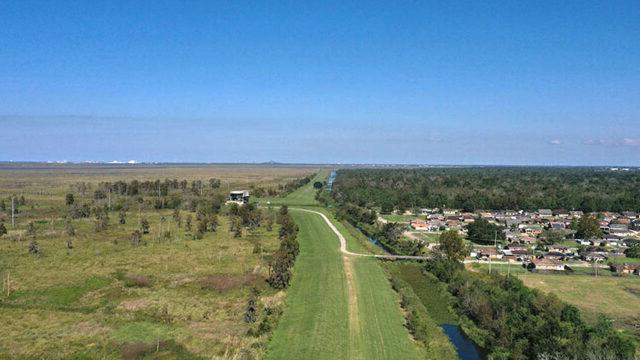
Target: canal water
330 180
467 349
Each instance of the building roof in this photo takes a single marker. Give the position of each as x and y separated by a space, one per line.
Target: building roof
545 262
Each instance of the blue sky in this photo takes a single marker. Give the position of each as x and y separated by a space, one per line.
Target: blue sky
504 82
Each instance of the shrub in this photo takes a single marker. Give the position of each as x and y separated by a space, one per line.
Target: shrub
136 280
34 248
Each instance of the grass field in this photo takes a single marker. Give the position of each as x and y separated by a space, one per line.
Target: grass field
615 296
400 218
170 297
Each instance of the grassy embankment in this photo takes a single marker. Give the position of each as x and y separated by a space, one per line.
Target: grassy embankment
430 301
338 307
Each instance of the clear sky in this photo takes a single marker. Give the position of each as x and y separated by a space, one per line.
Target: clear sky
468 82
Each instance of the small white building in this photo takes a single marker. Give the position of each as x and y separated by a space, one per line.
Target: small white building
239 197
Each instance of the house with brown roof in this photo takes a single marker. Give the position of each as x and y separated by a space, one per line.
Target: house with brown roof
418 224
626 269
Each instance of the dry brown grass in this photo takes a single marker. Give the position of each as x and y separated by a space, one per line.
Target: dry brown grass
225 282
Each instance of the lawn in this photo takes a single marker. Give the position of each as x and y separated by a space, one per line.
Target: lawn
400 218
616 297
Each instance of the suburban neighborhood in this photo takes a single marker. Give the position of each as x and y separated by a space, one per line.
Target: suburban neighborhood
526 237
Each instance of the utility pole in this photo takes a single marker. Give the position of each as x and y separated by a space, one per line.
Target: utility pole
109 198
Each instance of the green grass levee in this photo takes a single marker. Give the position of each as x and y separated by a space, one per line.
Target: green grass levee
315 322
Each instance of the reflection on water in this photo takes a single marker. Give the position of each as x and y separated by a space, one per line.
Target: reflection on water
330 179
466 349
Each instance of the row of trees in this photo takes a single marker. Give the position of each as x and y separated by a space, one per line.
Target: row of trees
156 187
470 189
281 189
285 256
516 322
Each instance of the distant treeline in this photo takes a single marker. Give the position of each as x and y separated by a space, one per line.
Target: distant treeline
282 189
156 187
499 188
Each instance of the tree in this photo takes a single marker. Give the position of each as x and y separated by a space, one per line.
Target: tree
122 216
317 185
187 225
3 229
144 225
68 227
550 237
213 222
250 311
588 228
633 251
201 229
102 220
386 207
452 246
99 194
31 229
235 226
136 236
177 217
284 210
34 249
482 231
69 199
269 220
214 183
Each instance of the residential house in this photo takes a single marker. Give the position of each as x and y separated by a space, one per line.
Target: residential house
545 213
468 218
621 229
545 264
489 252
576 214
527 239
449 212
594 257
626 269
419 224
